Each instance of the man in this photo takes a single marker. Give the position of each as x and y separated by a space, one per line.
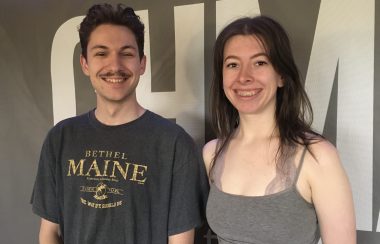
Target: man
119 173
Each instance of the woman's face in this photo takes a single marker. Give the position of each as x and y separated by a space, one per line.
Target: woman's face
249 79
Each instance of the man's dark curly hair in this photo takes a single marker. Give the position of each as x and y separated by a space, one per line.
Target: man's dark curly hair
105 13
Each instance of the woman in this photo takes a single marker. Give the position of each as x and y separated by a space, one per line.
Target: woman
273 179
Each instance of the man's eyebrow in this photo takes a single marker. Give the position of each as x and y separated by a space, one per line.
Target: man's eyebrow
105 47
99 47
128 47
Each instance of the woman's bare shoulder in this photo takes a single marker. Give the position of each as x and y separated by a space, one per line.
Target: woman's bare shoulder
209 150
324 152
331 193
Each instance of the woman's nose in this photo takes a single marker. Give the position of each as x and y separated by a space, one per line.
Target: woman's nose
246 74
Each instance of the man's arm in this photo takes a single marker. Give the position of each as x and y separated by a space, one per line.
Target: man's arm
182 238
49 233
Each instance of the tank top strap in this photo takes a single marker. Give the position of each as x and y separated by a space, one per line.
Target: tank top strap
300 165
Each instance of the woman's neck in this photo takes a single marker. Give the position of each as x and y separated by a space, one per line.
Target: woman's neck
256 127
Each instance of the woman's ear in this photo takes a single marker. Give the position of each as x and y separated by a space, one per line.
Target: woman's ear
281 82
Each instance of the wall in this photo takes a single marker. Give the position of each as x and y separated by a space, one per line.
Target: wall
336 48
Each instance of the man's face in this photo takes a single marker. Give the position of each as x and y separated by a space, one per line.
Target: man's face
113 64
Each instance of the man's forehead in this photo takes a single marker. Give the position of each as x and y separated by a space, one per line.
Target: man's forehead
112 33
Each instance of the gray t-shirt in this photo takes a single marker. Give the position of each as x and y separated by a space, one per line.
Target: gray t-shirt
134 183
284 217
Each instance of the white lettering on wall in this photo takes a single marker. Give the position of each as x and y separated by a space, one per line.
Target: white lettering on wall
345 35
228 10
186 103
62 71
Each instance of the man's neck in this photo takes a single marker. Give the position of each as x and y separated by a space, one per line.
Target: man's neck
118 114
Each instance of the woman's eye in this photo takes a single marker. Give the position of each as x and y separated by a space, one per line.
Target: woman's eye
231 65
260 63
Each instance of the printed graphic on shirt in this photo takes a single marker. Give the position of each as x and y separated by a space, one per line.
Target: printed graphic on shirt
101 169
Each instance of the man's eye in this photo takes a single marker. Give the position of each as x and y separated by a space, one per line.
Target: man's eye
127 54
100 54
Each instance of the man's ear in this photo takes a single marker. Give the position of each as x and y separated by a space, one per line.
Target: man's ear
84 65
142 65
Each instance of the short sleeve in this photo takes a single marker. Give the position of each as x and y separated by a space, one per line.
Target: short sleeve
44 198
190 187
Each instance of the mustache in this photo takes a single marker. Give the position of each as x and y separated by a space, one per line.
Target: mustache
118 73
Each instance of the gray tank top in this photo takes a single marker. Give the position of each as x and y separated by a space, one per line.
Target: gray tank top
280 218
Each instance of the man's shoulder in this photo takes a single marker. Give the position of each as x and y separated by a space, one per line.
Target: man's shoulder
162 123
160 126
71 123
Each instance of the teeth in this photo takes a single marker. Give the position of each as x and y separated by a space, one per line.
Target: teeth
246 93
114 80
